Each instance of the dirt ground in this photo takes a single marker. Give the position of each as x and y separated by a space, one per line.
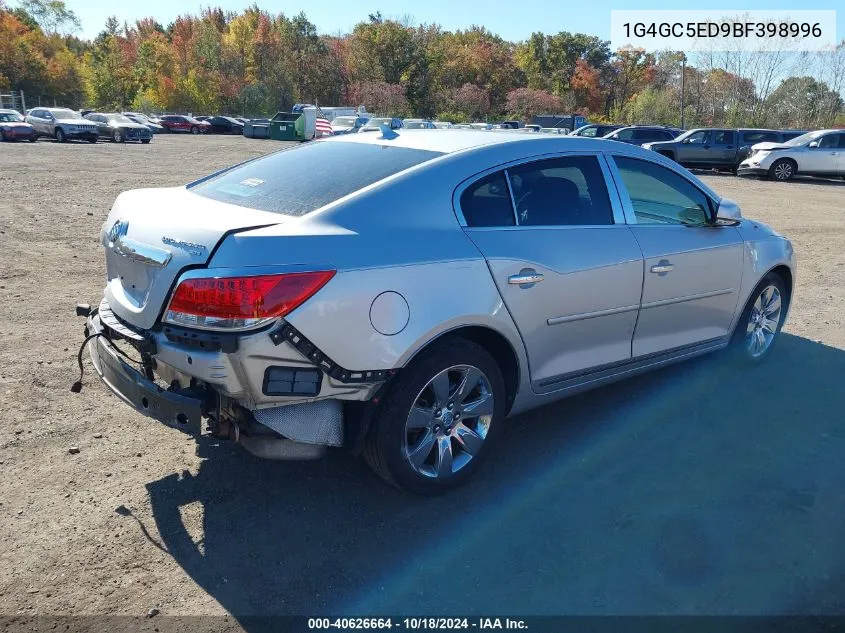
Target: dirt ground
698 489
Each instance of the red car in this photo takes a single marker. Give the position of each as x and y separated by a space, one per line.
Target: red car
14 128
181 123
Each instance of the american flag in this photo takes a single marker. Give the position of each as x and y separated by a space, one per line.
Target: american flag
322 126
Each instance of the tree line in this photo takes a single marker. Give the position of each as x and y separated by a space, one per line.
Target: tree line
256 63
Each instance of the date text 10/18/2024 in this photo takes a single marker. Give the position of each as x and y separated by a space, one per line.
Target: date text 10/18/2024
416 624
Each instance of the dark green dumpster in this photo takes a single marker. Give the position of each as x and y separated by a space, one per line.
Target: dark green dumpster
287 126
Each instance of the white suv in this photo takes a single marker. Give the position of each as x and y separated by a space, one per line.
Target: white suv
819 153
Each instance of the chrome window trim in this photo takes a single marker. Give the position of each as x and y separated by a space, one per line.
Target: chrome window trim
628 206
615 203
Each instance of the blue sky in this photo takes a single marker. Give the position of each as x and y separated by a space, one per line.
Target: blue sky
512 20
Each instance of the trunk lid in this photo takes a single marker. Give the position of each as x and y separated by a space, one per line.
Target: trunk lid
152 235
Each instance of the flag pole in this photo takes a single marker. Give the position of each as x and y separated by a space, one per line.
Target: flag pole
316 114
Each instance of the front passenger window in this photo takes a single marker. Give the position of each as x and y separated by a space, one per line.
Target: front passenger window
660 196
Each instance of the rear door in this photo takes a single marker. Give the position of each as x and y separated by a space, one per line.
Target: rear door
568 268
692 272
723 151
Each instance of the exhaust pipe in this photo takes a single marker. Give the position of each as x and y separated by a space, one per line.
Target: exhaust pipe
272 447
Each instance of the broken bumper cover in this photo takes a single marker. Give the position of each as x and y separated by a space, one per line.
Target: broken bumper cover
176 410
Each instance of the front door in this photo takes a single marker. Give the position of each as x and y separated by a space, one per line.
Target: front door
692 271
695 149
824 159
567 267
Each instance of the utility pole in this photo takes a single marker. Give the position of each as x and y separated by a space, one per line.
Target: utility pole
683 85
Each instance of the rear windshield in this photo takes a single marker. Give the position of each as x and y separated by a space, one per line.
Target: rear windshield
302 179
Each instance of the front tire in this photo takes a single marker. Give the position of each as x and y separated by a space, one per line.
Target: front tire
117 136
60 135
435 425
782 169
146 141
195 129
760 323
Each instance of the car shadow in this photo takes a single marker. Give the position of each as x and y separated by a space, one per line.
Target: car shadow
702 488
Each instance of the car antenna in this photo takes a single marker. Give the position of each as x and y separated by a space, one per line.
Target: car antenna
386 132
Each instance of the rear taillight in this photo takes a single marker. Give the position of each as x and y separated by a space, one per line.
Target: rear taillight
227 303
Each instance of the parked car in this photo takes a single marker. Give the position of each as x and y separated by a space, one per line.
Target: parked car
639 134
62 124
819 153
417 124
348 124
443 125
481 126
596 130
512 125
203 117
242 119
14 128
225 125
296 316
120 128
182 123
144 120
374 124
719 148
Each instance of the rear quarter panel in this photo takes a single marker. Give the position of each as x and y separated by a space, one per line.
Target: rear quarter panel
400 237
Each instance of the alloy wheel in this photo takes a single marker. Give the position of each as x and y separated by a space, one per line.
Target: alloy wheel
449 421
783 170
763 321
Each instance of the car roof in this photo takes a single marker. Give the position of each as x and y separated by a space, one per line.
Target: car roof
8 111
449 141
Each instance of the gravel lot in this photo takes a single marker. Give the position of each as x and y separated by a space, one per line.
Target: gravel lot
696 489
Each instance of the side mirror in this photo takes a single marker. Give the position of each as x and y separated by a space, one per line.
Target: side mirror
813 144
728 213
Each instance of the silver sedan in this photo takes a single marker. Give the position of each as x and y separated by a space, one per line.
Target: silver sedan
403 293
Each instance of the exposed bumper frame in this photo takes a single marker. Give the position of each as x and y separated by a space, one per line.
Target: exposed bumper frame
176 410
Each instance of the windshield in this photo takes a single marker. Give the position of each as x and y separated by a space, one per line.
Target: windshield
10 117
119 118
62 113
344 120
804 139
414 125
284 182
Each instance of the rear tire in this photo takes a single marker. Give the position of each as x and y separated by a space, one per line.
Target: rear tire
761 320
117 136
33 138
435 425
146 141
782 169
60 135
195 129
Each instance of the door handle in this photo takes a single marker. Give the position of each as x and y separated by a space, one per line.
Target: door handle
525 277
662 268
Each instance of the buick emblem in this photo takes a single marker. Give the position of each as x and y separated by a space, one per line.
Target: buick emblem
118 230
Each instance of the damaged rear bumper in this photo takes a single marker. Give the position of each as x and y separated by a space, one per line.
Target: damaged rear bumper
179 410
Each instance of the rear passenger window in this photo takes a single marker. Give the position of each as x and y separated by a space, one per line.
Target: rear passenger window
659 195
759 137
565 191
487 202
723 137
